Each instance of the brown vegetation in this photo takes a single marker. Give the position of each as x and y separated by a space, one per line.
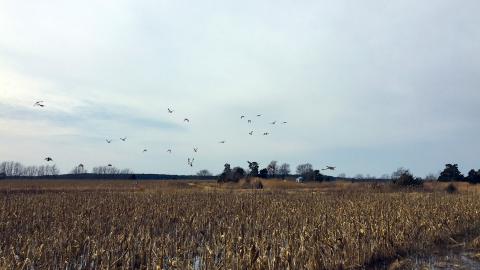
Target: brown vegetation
204 225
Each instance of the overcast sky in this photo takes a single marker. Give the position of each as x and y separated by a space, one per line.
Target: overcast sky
367 86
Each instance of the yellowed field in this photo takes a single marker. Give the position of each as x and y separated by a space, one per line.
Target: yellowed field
202 225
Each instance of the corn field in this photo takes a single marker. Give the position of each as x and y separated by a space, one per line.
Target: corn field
215 229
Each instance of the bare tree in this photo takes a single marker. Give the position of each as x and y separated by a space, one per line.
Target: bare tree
204 173
303 169
272 168
80 169
284 170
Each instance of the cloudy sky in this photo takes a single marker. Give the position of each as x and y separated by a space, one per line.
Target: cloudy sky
367 86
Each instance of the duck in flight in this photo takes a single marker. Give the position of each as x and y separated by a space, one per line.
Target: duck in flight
284 122
265 133
251 132
169 151
109 165
243 116
258 115
249 121
170 110
273 123
186 120
48 159
39 104
195 149
123 139
329 168
144 150
221 142
108 141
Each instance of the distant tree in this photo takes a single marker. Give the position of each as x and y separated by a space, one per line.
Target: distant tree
407 179
399 172
108 170
237 174
263 173
284 170
79 170
305 169
223 177
451 173
253 166
473 176
204 173
359 176
272 169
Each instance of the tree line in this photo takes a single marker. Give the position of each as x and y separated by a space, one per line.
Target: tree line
17 169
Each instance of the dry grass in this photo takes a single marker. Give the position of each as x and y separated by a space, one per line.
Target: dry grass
201 225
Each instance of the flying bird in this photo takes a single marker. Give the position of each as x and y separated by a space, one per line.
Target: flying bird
195 149
109 165
108 141
258 115
39 104
265 133
284 122
329 168
170 110
190 162
251 132
169 151
186 120
243 116
221 142
123 139
144 150
273 123
48 159
249 121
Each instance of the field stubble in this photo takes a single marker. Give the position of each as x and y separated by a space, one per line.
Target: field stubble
155 228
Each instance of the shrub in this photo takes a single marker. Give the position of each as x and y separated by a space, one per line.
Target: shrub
407 179
451 188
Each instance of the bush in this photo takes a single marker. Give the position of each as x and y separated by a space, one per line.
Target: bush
407 179
451 188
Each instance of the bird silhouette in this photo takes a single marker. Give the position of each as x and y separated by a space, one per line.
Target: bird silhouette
243 116
108 141
221 142
251 132
195 149
329 168
186 120
144 150
39 104
170 110
169 151
258 115
273 123
284 122
249 121
190 162
109 165
123 139
48 159
265 133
